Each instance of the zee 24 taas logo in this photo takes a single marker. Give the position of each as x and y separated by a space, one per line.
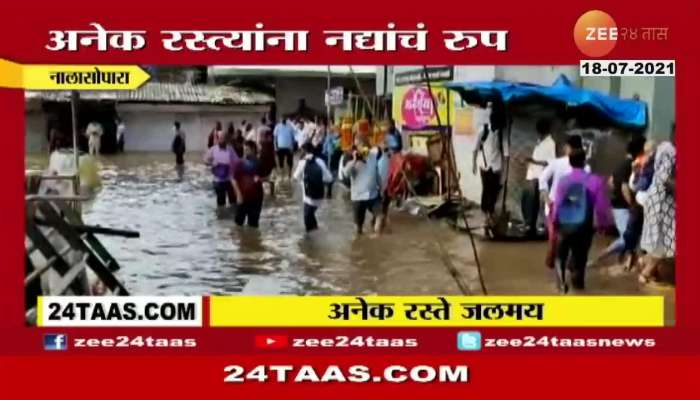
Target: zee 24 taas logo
55 342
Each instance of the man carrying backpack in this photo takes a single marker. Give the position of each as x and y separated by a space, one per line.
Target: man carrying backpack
580 206
314 175
554 171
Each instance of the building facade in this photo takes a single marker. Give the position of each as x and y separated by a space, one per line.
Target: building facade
464 121
294 85
148 113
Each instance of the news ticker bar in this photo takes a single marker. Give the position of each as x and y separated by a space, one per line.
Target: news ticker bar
432 311
349 311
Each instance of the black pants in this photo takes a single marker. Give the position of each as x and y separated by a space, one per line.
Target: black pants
575 245
179 158
249 210
530 205
223 191
120 145
310 221
334 162
285 155
361 207
491 186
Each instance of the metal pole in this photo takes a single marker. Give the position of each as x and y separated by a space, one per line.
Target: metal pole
359 88
74 99
447 144
328 98
507 160
444 137
386 79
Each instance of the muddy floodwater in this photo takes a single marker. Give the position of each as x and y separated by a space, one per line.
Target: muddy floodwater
187 247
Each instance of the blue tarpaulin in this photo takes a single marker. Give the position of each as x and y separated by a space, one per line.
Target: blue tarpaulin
629 113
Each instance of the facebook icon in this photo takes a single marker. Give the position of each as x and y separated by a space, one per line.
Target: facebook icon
54 342
469 341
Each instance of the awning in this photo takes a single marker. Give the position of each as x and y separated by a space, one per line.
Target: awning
589 107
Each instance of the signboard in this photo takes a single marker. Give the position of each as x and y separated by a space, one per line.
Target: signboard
413 109
334 96
436 74
418 142
464 121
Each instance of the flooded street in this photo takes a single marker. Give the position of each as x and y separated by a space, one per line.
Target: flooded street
187 248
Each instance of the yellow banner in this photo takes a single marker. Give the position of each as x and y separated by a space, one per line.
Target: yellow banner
432 311
71 77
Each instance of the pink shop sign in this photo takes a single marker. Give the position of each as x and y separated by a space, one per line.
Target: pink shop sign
417 109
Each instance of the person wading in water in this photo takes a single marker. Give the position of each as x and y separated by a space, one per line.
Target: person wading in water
312 173
221 159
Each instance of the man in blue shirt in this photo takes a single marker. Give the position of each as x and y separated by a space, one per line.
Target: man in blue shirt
332 154
284 145
365 184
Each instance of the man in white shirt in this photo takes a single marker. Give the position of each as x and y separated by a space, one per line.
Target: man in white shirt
318 136
307 132
493 149
312 201
121 130
558 168
94 133
262 130
543 153
250 134
298 133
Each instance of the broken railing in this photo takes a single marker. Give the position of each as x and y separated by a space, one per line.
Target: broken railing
60 251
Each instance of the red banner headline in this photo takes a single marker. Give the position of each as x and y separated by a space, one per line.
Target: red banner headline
259 40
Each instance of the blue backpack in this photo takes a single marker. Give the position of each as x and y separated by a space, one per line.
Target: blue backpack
574 212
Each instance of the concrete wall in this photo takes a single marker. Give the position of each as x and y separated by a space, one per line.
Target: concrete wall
464 145
474 73
664 112
642 86
35 132
660 95
542 75
150 127
289 90
601 84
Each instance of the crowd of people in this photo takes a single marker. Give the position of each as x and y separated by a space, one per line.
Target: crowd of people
638 199
243 159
